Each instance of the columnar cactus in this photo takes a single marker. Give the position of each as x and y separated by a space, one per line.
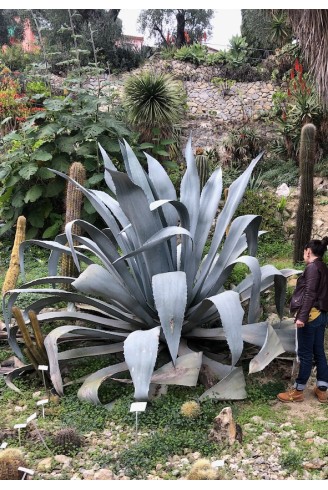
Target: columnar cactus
304 217
74 198
203 169
13 269
34 351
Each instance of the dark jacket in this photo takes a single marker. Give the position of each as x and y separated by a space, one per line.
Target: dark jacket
311 290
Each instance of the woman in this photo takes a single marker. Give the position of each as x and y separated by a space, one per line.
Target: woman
309 304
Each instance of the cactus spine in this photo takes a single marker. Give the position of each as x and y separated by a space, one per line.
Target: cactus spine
13 269
203 169
67 440
304 216
74 198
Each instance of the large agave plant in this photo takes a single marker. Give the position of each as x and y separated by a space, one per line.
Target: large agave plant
149 288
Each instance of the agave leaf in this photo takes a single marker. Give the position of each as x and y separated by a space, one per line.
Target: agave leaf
160 180
137 173
209 201
51 345
235 194
218 369
98 281
88 392
50 245
286 333
213 280
135 206
16 373
232 387
101 209
185 372
170 294
159 237
110 166
106 246
189 190
271 349
140 353
95 350
79 315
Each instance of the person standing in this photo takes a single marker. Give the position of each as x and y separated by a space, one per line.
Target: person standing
309 305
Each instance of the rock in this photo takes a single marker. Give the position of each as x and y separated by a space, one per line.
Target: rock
62 459
104 474
283 190
225 429
87 474
44 464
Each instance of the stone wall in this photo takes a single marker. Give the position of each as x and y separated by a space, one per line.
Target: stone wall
211 112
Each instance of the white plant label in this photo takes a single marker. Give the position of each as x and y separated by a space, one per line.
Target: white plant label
42 402
138 407
26 470
217 463
31 417
19 426
43 368
3 445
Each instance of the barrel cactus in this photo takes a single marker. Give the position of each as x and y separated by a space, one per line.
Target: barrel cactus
10 461
203 169
67 440
151 287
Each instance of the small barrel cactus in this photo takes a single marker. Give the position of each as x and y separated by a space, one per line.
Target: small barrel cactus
190 409
67 440
10 461
203 169
202 470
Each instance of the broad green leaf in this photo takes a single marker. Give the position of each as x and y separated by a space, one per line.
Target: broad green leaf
54 104
52 230
170 294
140 353
42 156
27 171
33 194
45 174
145 146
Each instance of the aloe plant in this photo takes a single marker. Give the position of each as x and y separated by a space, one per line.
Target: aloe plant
151 289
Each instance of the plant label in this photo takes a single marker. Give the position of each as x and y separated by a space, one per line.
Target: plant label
217 463
25 471
138 407
42 402
31 417
43 368
19 426
3 445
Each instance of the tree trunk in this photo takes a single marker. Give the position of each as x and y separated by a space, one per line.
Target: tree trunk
181 21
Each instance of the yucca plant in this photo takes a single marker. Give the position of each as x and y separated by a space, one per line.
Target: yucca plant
154 100
155 290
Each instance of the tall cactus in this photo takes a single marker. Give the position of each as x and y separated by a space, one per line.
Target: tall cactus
304 217
74 199
13 269
203 169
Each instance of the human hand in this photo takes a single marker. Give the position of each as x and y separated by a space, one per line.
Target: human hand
299 324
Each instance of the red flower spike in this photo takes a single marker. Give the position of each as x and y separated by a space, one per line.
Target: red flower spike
292 74
297 65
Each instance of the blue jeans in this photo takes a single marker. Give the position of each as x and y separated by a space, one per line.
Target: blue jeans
311 346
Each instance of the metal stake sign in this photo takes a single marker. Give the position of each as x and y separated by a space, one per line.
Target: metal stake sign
42 402
19 427
138 407
25 471
32 419
43 369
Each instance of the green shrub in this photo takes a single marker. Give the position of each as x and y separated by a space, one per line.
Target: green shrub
275 172
196 54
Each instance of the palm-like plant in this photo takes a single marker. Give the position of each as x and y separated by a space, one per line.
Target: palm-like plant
155 290
154 101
